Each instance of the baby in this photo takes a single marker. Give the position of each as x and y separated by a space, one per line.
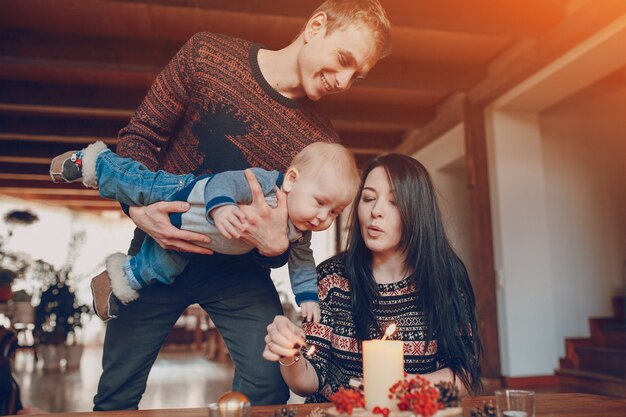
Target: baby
320 182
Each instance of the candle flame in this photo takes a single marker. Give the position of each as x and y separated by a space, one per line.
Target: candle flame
391 329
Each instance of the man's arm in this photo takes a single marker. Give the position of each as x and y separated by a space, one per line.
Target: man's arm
158 116
155 221
149 130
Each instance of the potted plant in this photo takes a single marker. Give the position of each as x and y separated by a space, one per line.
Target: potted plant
12 265
6 279
58 318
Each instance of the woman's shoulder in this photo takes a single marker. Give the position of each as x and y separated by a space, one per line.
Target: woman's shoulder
332 274
332 266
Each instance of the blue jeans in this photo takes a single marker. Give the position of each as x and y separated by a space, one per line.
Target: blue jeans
131 183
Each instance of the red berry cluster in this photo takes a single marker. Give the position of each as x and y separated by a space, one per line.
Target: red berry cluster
346 400
383 411
416 394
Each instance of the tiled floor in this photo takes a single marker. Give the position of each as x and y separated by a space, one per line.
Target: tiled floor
179 379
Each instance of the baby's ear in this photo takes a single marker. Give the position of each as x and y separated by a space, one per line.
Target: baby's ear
291 177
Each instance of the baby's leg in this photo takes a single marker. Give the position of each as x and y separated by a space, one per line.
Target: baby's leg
122 179
69 166
125 275
132 183
109 283
153 265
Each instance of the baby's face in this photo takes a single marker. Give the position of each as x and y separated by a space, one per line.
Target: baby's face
314 201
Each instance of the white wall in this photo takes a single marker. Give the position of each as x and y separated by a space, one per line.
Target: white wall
521 245
584 146
445 161
323 245
556 162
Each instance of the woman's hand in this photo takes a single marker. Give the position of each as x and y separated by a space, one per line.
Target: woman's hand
265 228
283 339
155 221
282 343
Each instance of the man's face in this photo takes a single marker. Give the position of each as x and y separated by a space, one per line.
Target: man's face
329 64
314 202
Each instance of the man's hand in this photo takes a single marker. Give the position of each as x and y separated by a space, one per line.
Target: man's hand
310 311
265 227
229 220
154 220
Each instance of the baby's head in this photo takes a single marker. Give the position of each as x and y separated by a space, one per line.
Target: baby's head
321 181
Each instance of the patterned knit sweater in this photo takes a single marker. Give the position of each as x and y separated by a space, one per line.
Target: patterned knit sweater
210 110
338 355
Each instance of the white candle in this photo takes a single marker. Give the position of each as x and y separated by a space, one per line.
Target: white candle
383 366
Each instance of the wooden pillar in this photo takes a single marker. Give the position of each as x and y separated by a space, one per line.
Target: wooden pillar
484 281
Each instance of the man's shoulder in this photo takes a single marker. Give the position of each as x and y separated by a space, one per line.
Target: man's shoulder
218 37
206 44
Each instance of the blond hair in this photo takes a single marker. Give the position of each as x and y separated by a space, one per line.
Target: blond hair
336 158
369 13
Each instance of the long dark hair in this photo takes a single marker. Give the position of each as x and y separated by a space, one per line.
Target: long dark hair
447 298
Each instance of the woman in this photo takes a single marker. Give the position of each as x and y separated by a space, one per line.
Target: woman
399 268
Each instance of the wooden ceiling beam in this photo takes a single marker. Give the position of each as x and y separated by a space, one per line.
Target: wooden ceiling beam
512 69
19 93
163 18
411 44
90 206
25 182
425 75
11 163
69 129
396 117
77 72
63 201
515 67
21 148
73 140
392 116
373 142
68 95
15 165
449 115
7 187
389 73
54 197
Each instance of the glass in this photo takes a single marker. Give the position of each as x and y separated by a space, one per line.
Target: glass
515 403
229 409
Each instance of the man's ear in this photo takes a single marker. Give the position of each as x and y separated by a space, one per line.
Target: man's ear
291 177
315 26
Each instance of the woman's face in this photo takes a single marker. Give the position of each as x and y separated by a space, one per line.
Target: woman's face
379 218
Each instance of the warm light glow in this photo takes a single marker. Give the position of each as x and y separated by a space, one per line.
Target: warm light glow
391 329
310 351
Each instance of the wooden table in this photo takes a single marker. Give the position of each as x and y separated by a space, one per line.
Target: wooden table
547 405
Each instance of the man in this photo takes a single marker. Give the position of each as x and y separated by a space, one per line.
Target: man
227 104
